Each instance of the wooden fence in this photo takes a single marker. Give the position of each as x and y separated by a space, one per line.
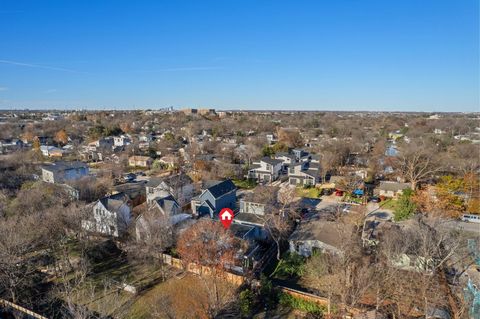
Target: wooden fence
16 307
201 270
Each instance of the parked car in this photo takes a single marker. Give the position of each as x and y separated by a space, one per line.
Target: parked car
338 193
346 209
375 199
470 218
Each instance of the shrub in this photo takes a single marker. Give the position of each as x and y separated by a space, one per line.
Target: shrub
247 300
405 208
291 265
300 304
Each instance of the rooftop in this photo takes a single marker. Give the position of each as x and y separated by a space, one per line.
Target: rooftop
62 166
393 186
328 232
219 188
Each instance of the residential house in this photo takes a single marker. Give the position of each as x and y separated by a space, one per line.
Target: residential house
102 144
111 216
392 189
287 160
265 170
140 161
304 174
90 156
167 206
61 172
145 138
301 155
135 191
122 140
271 138
215 196
164 211
374 226
9 145
168 160
319 235
255 202
180 186
51 151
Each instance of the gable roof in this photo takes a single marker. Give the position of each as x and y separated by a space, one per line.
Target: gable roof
393 186
166 203
154 181
330 233
270 161
221 188
63 166
177 180
114 202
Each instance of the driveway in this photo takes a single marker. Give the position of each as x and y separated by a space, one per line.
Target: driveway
374 209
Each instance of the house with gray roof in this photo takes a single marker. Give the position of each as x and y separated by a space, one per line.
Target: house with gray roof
61 172
111 216
179 185
304 174
392 189
215 196
319 235
265 170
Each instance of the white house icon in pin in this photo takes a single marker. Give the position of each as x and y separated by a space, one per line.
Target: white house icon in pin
226 215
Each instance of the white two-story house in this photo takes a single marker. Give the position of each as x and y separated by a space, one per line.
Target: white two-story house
265 170
304 174
111 216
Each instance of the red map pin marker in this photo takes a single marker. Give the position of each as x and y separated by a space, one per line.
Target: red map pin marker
226 217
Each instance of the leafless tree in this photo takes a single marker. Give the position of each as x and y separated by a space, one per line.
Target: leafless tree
152 235
416 163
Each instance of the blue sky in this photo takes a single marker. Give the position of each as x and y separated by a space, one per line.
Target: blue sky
262 54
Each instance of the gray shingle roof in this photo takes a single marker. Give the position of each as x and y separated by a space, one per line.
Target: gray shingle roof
62 166
271 161
393 186
114 202
167 203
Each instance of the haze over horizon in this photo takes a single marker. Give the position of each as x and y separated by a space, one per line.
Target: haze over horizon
343 55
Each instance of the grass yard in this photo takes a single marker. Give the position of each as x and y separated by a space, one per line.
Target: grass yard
244 183
182 296
389 204
308 192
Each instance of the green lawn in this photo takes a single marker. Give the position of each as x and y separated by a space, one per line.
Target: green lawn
308 192
389 204
244 183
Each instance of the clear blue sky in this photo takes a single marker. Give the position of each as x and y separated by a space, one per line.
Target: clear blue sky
415 55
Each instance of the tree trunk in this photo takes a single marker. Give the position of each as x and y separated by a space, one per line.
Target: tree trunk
413 185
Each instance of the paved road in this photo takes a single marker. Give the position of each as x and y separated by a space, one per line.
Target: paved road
467 227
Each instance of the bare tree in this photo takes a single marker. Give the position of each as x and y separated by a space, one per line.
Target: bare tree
344 277
416 163
279 212
152 235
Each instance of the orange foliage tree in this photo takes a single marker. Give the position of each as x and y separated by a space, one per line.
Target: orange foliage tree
207 243
61 137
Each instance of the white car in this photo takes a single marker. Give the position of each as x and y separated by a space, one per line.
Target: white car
470 218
